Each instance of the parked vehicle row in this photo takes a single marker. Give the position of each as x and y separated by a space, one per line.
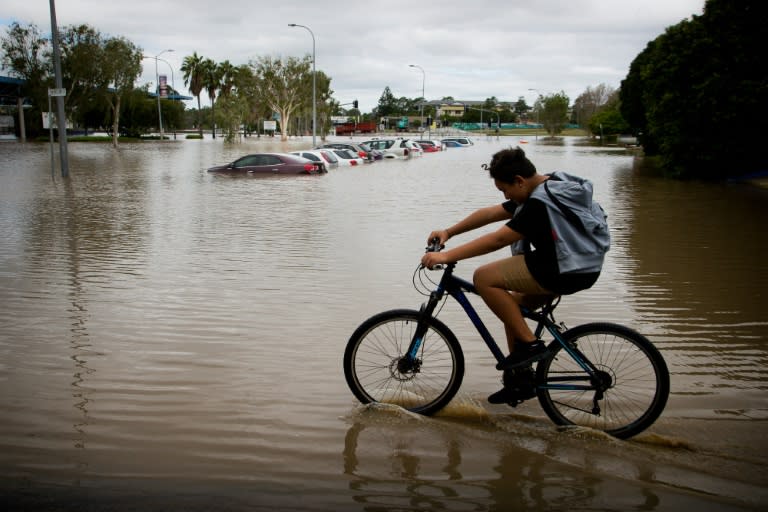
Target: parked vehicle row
332 155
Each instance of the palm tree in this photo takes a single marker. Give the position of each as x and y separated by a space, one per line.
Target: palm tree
192 67
227 77
211 82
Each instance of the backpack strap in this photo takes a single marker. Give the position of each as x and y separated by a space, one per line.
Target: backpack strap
567 212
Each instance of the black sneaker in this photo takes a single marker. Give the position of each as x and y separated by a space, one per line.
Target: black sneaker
503 396
513 396
524 354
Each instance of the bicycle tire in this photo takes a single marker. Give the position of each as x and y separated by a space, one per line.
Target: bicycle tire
639 380
376 346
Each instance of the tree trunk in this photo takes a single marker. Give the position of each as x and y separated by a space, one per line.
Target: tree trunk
285 119
115 122
199 118
213 118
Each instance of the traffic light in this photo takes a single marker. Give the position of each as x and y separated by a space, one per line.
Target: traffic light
354 103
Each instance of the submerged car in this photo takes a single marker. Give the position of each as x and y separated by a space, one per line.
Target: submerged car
395 148
347 157
361 150
457 141
323 159
430 146
269 163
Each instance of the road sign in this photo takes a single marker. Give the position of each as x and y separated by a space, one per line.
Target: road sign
57 92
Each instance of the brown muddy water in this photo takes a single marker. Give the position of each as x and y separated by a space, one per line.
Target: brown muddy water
172 340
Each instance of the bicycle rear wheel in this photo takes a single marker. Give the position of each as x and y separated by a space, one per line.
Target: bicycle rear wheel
633 376
373 369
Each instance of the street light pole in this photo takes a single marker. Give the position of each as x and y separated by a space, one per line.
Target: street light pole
423 79
314 84
157 82
538 94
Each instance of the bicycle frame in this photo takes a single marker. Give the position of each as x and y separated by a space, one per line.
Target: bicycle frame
458 288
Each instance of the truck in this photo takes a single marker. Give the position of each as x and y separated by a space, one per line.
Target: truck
352 128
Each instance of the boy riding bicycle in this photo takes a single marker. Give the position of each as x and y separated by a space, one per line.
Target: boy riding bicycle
558 236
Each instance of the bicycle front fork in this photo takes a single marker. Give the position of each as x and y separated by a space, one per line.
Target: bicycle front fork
410 361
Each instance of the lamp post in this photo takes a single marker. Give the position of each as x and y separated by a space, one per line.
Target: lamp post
423 79
157 81
314 83
538 94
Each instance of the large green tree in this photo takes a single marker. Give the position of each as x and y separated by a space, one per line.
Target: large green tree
81 72
696 95
120 63
233 99
387 104
285 86
27 55
552 111
521 108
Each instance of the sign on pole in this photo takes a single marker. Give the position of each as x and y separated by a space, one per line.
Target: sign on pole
163 86
57 92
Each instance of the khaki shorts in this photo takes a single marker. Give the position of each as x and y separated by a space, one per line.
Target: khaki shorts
517 278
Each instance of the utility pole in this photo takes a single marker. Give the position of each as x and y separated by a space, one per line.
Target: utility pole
61 117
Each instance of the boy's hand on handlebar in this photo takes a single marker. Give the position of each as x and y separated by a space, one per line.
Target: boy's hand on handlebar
432 259
441 234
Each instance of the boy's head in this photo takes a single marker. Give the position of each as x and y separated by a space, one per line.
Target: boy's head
508 163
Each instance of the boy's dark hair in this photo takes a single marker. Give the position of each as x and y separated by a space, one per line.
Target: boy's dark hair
508 163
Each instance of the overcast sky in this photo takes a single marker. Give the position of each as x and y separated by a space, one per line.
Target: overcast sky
470 50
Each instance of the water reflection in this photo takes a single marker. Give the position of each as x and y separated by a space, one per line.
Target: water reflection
693 282
396 461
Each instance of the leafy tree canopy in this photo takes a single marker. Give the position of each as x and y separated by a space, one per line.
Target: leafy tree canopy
553 112
696 95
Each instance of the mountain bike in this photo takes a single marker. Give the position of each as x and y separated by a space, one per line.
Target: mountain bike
600 375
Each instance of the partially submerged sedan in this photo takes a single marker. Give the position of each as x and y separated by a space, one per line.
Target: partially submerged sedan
347 157
269 163
323 158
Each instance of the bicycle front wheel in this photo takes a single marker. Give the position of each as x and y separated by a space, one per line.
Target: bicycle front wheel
374 372
629 393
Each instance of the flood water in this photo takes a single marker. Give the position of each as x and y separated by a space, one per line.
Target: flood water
173 340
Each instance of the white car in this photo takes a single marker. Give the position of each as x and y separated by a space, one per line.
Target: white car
321 157
347 158
395 148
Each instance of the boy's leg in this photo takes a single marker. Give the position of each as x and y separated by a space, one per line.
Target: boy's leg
491 283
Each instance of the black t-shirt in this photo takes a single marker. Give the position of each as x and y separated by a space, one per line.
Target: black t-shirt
532 221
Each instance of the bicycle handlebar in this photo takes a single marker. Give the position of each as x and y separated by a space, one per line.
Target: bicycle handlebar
434 245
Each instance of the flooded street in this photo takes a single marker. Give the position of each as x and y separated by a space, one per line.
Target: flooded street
173 340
